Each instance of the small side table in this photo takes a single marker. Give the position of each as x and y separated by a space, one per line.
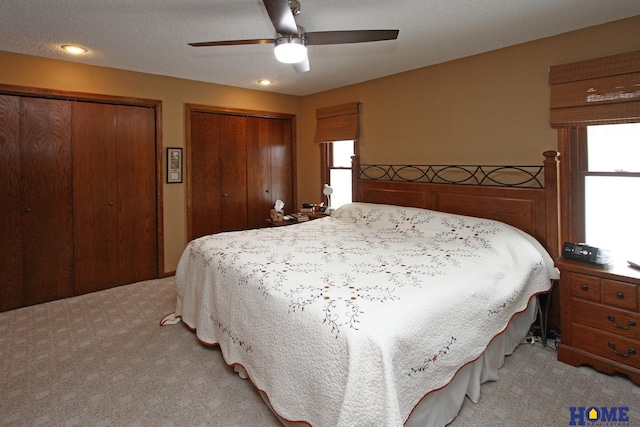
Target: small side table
311 215
273 223
600 308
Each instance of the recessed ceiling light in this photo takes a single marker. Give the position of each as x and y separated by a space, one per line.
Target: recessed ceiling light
73 49
265 82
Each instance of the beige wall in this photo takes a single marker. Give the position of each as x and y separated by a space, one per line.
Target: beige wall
490 108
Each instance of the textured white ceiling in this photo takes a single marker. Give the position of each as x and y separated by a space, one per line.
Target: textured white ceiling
151 35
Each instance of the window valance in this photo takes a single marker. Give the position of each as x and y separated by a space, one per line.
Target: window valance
597 91
337 123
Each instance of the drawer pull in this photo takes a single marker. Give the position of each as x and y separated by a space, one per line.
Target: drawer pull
620 295
625 327
584 287
630 352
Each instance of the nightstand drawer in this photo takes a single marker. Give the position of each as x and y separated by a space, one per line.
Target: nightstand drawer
607 345
622 323
600 321
620 294
583 286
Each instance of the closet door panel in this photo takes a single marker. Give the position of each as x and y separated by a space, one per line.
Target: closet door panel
233 146
136 184
95 196
205 203
61 189
260 197
231 185
11 261
46 186
114 195
281 162
270 176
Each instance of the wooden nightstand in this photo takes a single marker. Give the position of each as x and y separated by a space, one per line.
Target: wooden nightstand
312 216
317 215
273 223
600 317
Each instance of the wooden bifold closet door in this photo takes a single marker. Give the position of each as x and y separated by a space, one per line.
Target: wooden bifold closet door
114 195
36 255
78 197
240 165
218 170
270 167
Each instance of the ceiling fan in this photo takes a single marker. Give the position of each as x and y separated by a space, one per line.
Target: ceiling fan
291 39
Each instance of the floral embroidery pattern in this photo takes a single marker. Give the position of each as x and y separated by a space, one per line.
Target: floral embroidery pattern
339 296
430 361
234 338
500 307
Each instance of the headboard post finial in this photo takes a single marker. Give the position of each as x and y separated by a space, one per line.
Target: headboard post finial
551 155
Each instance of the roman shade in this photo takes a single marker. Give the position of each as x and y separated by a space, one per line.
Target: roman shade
597 91
337 123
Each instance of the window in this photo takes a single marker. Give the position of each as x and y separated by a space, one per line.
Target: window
337 172
600 187
595 105
337 132
611 182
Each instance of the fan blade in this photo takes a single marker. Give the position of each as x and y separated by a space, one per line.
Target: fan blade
350 36
233 42
281 17
302 67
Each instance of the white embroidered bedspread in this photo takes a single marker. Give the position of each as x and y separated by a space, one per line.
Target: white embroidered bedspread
350 320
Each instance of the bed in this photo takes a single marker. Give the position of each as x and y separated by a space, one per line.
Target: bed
388 312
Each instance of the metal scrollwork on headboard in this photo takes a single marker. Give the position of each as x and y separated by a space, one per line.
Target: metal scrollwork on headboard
485 175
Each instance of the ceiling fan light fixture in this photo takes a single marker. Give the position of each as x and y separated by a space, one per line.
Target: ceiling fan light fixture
290 49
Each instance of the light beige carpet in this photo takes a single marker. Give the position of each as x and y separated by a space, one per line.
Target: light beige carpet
103 360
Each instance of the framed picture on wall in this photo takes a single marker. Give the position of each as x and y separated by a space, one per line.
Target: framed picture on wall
174 165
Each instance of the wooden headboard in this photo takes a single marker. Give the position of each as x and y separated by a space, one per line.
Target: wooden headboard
533 210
